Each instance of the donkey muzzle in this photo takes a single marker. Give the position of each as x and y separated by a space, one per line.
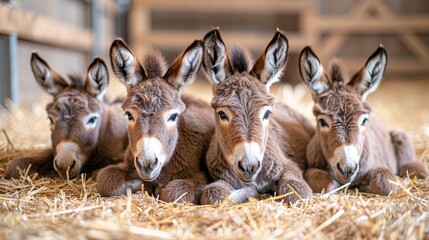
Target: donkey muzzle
247 171
67 159
149 158
148 169
247 160
347 163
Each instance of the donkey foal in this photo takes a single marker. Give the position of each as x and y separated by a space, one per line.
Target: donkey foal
87 133
169 133
352 145
249 153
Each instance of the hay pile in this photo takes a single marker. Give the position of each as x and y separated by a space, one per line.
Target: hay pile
72 209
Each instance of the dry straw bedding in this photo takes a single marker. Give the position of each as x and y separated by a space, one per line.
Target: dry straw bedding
33 207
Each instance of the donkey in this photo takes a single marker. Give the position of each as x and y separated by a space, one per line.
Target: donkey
168 133
250 154
87 133
352 145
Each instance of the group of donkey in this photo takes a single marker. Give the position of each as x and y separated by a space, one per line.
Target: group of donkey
244 145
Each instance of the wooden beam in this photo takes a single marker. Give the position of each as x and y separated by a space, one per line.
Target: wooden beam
228 5
394 65
8 68
36 28
174 40
372 25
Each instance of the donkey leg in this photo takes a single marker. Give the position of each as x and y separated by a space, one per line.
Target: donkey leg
41 162
188 189
243 194
216 192
414 169
116 179
405 156
378 182
319 179
292 178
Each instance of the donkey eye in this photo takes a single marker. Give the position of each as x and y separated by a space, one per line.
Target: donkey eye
130 116
323 123
51 121
223 116
92 120
173 117
266 115
365 120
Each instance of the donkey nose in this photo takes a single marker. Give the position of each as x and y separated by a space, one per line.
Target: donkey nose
148 165
347 169
64 167
249 168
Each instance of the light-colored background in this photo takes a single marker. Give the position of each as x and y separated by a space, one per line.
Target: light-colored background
68 33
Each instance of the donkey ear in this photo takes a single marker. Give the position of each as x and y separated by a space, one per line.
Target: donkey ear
215 59
268 68
46 76
369 76
185 68
97 78
311 71
125 64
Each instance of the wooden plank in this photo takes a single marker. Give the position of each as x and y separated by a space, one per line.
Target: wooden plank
44 30
394 65
355 25
251 40
228 5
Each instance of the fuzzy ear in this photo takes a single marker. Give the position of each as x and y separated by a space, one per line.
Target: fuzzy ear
97 78
125 64
369 76
46 76
269 67
185 68
215 58
312 72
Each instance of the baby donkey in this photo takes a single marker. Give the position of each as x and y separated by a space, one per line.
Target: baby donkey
87 132
352 145
252 151
169 133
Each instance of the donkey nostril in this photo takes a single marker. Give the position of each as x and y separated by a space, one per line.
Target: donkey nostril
155 163
255 167
137 162
259 165
241 167
74 163
339 167
56 164
355 168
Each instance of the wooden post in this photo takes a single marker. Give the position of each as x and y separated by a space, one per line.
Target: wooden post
8 68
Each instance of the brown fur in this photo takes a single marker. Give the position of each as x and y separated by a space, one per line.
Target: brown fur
340 102
277 147
75 99
184 144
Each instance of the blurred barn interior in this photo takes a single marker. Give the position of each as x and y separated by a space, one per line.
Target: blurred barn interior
69 33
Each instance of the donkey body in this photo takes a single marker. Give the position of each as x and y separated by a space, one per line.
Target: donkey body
251 154
352 145
169 133
87 133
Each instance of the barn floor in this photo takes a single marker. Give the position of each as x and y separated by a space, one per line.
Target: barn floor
59 209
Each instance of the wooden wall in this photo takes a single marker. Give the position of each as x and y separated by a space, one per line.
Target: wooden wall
350 29
62 31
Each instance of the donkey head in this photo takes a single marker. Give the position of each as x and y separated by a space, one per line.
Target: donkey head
75 113
340 108
154 104
242 101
